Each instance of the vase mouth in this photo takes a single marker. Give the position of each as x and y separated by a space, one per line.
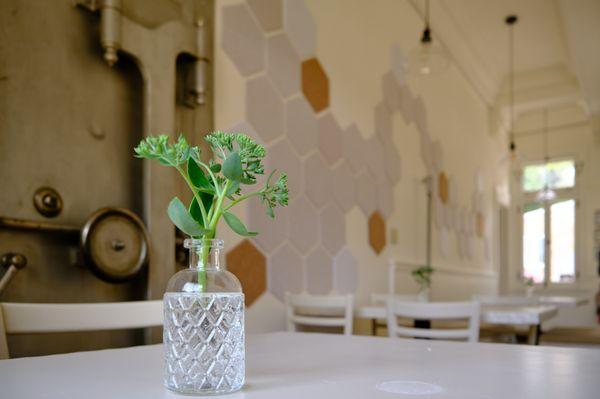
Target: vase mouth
196 243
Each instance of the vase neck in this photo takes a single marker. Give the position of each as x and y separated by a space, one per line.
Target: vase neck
204 253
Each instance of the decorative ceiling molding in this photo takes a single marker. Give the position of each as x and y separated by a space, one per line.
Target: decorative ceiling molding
535 89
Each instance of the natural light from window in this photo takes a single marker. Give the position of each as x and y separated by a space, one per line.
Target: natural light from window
560 174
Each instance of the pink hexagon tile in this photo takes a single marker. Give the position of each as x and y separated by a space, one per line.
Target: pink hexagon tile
399 65
383 122
283 65
391 92
269 13
406 103
300 26
344 186
272 233
385 196
318 180
420 114
281 157
366 192
393 163
301 125
242 39
319 272
375 157
345 272
286 272
264 108
330 138
303 230
333 228
353 148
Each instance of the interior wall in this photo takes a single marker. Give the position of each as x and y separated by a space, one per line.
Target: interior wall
569 135
354 40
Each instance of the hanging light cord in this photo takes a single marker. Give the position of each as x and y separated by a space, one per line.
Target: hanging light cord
510 21
426 38
546 155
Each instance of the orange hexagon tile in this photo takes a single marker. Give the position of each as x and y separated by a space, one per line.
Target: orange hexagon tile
377 238
315 84
443 189
250 267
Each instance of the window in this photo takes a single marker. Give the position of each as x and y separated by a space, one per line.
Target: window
560 174
548 243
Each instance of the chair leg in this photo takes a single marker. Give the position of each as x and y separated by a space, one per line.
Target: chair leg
3 344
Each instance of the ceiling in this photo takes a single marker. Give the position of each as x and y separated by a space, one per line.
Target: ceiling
556 41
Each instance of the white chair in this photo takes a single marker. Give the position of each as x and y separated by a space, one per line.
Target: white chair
320 311
434 311
26 318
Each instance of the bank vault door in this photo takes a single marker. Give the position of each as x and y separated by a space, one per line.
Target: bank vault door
81 83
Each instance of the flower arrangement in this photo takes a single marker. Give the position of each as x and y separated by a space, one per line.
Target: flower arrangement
216 186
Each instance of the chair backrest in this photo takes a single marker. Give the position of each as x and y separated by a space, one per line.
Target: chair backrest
434 311
497 300
320 311
25 318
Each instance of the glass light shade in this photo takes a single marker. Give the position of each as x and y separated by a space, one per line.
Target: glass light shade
428 58
546 194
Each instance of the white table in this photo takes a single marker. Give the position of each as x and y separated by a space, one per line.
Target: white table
563 301
296 365
530 316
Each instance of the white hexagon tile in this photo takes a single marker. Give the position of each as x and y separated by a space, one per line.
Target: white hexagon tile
300 26
333 228
285 272
264 108
283 65
345 272
301 125
318 180
319 272
330 138
269 13
303 231
242 39
344 186
283 158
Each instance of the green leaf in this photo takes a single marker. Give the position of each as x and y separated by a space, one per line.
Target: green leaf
234 187
237 225
232 167
195 211
181 218
197 176
215 167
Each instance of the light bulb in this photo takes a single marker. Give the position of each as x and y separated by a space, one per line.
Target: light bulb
428 58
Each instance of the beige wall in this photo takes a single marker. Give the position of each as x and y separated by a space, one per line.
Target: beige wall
353 45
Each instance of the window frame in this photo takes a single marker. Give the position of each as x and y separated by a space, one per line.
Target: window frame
562 194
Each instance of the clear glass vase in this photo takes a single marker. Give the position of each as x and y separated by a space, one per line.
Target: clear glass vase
204 325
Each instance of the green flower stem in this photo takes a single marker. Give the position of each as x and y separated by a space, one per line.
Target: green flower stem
195 192
240 199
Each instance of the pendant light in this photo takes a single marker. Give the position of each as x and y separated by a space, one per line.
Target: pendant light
428 57
512 156
546 193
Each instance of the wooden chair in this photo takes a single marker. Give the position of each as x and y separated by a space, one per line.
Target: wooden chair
320 311
26 318
434 311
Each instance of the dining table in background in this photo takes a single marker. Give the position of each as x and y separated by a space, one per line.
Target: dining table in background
310 365
530 317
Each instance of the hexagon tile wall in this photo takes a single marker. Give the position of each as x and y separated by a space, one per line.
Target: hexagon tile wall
331 169
249 266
